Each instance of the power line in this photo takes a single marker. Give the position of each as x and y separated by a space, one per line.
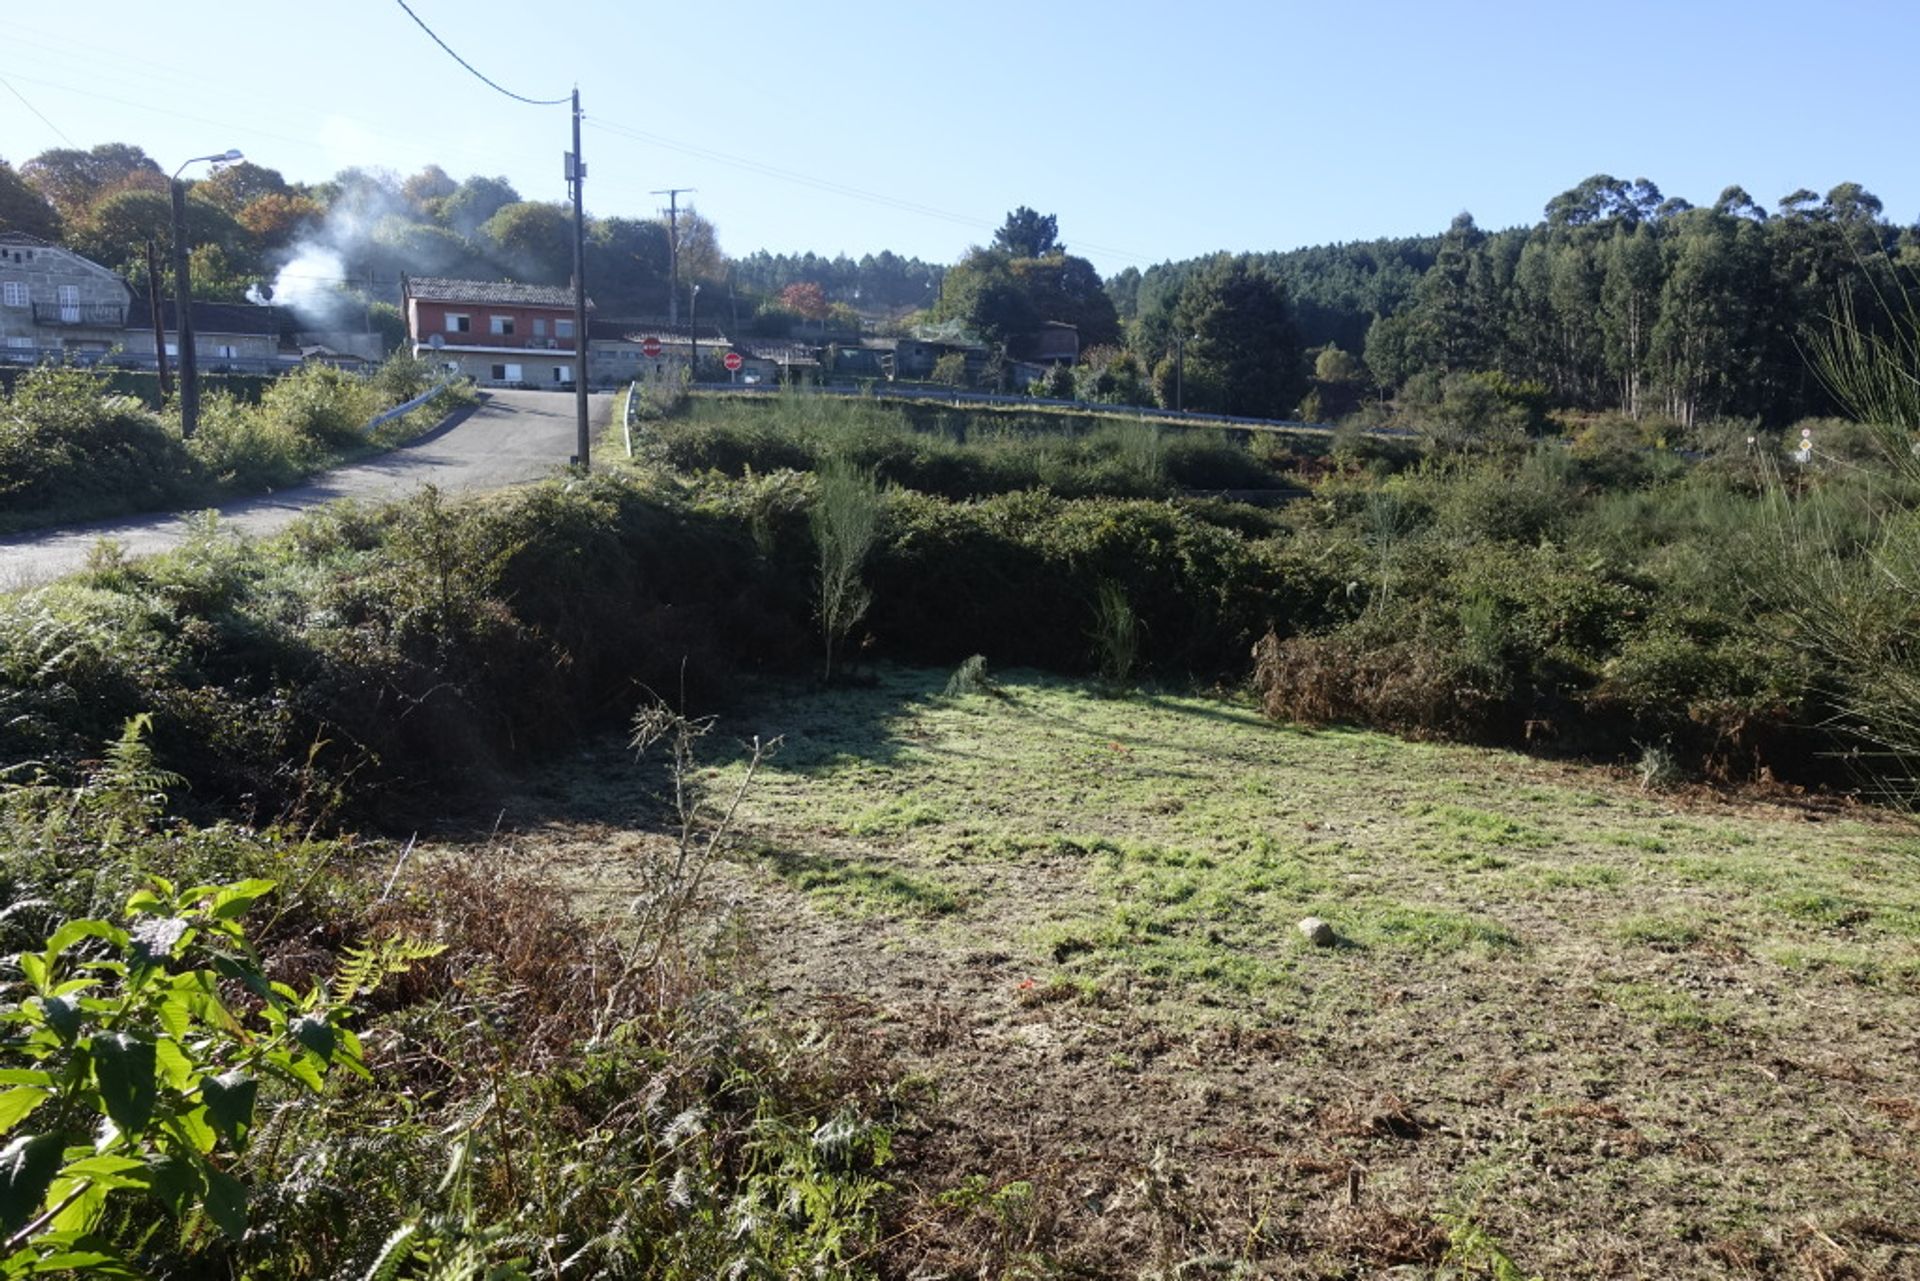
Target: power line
630 133
36 111
827 185
491 84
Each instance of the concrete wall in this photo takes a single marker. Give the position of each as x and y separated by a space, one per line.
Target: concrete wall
206 346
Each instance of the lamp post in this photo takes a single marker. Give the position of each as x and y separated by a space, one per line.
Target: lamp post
183 297
693 337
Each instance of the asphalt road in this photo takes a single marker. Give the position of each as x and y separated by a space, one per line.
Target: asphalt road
515 437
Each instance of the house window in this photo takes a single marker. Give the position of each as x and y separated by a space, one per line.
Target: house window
173 349
539 327
225 352
563 329
459 323
500 325
70 304
26 343
506 373
563 373
16 294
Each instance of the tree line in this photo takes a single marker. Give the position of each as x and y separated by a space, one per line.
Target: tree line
1619 299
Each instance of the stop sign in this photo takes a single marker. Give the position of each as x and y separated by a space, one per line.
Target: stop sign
650 347
733 362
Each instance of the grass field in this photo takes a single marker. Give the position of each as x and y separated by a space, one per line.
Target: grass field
1569 1029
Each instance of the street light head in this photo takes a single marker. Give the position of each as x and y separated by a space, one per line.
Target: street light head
233 156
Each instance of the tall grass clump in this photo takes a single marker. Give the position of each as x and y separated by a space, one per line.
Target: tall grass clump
1873 371
846 524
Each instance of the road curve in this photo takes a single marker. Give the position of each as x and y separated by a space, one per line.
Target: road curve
515 437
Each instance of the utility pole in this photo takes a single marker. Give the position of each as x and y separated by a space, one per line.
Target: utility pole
576 178
673 195
693 338
159 321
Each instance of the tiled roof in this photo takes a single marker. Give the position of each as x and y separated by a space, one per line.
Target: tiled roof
209 317
785 353
502 292
25 241
635 330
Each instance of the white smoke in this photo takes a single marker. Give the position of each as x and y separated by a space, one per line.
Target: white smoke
311 283
317 279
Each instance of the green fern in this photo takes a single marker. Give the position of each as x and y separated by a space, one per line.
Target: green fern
366 968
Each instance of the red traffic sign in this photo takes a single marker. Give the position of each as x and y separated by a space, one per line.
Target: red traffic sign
733 362
650 346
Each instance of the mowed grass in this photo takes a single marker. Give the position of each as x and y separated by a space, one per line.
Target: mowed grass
1600 1031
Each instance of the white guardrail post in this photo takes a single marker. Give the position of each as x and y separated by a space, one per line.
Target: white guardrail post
626 416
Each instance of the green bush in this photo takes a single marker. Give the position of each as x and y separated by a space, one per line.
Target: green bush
321 404
69 450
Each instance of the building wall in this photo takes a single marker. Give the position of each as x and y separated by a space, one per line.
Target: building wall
35 274
209 348
506 368
534 328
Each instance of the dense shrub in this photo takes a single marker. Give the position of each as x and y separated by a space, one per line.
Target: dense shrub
66 445
71 449
934 451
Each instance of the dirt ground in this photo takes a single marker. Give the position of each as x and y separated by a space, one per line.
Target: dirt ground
1569 1028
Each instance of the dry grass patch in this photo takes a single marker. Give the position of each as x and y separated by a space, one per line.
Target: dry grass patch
1570 1028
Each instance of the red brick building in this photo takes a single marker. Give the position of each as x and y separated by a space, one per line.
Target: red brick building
499 333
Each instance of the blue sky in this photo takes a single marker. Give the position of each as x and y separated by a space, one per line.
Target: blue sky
1153 131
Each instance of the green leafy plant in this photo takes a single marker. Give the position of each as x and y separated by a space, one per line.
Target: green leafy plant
132 1066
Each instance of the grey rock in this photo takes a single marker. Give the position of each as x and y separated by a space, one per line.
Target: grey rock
1317 932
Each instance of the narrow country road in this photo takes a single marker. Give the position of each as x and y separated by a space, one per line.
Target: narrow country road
516 436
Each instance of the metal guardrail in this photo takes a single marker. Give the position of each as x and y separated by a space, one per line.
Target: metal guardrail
389 415
91 315
1189 416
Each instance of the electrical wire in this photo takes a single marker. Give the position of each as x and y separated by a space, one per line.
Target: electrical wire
36 111
827 185
491 84
630 133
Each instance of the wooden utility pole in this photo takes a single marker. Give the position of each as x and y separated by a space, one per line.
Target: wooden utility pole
577 177
155 306
673 195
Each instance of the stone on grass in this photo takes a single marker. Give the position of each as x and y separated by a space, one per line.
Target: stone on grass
1317 932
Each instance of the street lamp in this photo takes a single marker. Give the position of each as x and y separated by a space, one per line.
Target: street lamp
183 297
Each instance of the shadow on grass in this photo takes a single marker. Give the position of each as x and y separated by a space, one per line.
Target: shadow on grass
860 882
867 720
